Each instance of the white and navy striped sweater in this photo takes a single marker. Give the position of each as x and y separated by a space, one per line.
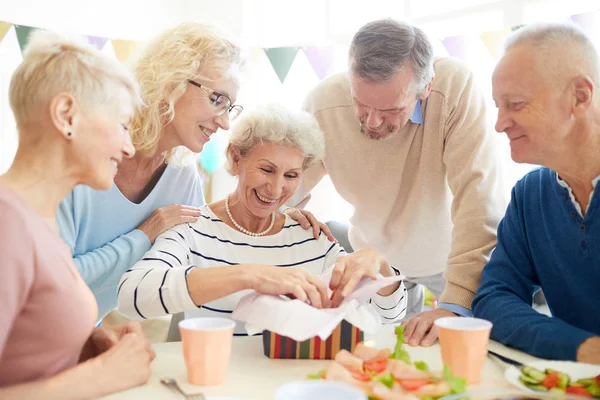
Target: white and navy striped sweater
157 285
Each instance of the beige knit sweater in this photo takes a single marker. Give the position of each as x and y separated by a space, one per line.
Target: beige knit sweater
431 197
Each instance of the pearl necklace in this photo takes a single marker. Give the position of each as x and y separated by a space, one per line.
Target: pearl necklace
241 228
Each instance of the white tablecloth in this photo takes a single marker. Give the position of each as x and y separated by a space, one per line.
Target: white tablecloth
252 376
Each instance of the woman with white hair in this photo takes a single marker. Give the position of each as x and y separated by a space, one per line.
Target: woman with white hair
189 79
244 242
73 108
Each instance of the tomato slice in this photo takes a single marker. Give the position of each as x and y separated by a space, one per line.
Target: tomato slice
361 376
578 391
598 380
551 380
413 384
376 365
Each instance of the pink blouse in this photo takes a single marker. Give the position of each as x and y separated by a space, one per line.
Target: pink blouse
46 310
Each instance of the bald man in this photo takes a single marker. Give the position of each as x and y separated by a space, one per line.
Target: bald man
546 90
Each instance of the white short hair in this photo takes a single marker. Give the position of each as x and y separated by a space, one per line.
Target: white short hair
559 46
53 64
277 124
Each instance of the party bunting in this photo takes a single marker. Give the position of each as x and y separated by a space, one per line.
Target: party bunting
253 53
23 33
4 27
494 41
320 59
124 49
281 59
97 42
589 23
458 46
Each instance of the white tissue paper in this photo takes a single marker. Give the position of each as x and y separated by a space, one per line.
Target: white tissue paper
301 321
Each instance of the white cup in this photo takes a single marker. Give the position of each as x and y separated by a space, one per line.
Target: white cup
318 390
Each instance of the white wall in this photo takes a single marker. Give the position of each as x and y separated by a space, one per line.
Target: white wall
272 23
121 19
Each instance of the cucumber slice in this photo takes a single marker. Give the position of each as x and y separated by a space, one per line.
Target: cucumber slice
529 380
533 373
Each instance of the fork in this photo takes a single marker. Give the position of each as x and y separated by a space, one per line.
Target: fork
172 384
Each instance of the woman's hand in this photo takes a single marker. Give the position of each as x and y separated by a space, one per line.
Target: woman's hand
307 220
124 365
350 269
167 217
104 338
294 282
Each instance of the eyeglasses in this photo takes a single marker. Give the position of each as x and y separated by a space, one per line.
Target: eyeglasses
221 102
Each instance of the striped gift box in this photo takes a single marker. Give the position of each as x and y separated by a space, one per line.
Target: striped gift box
345 336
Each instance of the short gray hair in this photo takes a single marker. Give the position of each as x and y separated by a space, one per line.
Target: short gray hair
277 124
380 49
574 47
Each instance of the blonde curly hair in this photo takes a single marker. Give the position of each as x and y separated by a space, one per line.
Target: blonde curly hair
188 51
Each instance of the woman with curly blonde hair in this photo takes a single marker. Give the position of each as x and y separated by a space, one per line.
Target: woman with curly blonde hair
189 80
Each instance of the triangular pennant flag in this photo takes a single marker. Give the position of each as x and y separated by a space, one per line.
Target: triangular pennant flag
281 59
301 77
254 52
125 48
97 42
23 33
587 21
494 41
320 58
4 27
457 46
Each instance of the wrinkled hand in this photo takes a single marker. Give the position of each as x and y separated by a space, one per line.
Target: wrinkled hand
167 217
133 327
126 364
105 337
420 330
350 269
100 340
293 282
307 220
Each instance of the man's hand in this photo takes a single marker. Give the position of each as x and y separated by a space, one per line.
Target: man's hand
420 330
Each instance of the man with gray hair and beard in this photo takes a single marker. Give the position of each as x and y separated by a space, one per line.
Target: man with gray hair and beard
546 90
407 145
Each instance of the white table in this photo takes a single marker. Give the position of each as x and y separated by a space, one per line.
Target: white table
252 376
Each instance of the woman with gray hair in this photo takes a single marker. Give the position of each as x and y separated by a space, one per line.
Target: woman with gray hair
244 242
189 78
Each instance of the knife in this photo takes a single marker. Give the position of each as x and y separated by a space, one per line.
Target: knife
506 359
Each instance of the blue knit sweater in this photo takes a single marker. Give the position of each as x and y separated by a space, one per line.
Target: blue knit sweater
544 242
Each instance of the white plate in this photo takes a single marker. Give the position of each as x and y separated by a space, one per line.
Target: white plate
573 369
